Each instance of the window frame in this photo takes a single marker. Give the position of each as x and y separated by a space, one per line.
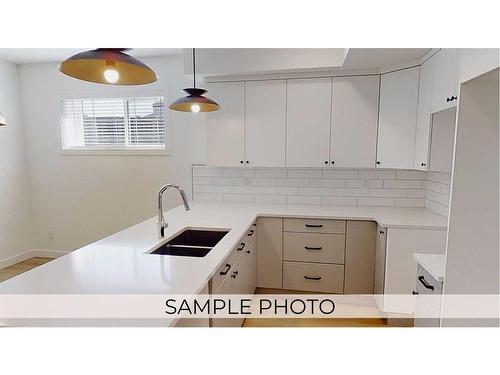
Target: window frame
140 151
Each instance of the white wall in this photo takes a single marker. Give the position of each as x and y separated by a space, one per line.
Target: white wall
81 198
16 224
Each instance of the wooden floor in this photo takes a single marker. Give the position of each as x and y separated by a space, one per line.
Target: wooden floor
308 322
21 267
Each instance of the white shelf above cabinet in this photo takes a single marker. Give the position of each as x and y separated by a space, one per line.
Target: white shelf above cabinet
397 118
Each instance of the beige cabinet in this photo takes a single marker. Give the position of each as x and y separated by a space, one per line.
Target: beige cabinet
379 272
269 252
313 277
359 257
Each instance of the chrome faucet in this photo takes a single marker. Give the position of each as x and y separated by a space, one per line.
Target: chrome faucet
162 224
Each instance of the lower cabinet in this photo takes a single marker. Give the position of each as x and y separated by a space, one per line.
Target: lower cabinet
237 275
427 312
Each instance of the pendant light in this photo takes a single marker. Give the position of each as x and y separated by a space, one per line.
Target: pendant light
109 66
195 101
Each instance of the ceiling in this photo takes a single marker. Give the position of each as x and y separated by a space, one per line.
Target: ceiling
369 58
38 55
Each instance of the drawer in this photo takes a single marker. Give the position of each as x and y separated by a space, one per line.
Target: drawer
314 247
314 226
425 278
313 277
227 266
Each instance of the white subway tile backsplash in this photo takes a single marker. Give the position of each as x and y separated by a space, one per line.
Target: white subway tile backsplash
316 182
378 175
410 175
344 174
292 182
315 191
389 202
302 199
339 201
363 187
304 173
271 199
402 184
395 193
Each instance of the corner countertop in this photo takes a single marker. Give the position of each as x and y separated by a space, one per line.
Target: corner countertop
118 264
432 263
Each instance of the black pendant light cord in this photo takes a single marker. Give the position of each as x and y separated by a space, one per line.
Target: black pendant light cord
194 69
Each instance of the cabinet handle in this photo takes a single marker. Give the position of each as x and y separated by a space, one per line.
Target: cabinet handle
423 164
241 161
381 232
378 163
312 277
234 274
326 161
451 98
425 283
250 233
333 162
248 251
248 162
414 293
312 248
314 225
242 247
228 267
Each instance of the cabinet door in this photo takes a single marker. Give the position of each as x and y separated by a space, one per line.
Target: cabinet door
424 116
265 123
378 281
232 284
445 79
308 122
249 259
354 121
269 250
397 118
226 127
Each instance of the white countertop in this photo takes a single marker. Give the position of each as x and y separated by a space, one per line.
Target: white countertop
118 264
432 263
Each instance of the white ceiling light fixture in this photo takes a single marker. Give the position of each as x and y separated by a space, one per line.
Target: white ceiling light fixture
3 120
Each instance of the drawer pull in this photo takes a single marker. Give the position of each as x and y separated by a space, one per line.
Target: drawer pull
234 274
312 277
425 283
312 248
314 225
248 251
242 247
228 267
250 233
414 293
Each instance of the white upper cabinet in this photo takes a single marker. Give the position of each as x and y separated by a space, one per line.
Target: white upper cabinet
354 121
308 122
424 116
445 88
397 118
265 123
226 127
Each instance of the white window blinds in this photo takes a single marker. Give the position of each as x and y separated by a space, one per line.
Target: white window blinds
132 123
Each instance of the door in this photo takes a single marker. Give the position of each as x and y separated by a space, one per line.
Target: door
397 118
308 122
265 123
354 121
424 117
226 127
445 90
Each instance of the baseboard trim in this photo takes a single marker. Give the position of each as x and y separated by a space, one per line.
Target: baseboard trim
30 254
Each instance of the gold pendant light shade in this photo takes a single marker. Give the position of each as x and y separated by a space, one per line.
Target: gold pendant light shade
109 66
194 102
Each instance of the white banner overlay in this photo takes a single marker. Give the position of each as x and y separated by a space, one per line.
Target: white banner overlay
172 307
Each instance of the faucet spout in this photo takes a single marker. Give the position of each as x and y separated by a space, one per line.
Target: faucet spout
162 224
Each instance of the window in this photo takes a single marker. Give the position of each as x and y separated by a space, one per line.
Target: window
113 124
